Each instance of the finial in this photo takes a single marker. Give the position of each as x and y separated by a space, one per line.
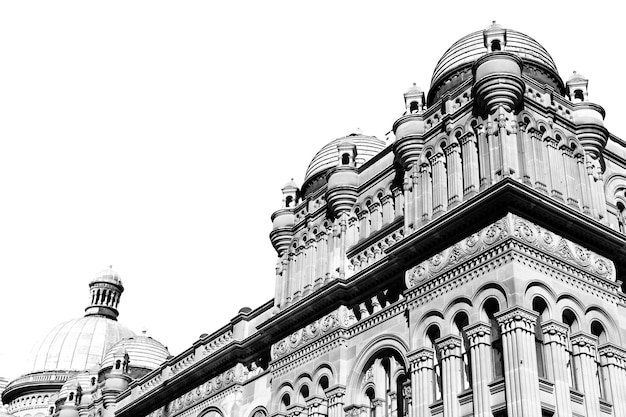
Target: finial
144 331
493 22
110 266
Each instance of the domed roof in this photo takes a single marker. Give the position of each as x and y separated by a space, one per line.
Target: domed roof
327 157
464 52
576 77
78 344
108 275
143 352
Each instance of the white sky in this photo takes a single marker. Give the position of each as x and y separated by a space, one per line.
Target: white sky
156 136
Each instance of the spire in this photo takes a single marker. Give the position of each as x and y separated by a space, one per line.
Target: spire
105 291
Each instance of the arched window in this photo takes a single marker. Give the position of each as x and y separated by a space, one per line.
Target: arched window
304 394
71 398
491 308
371 395
621 214
118 364
569 319
495 45
433 333
414 108
288 201
285 402
345 159
324 383
384 379
461 321
540 307
597 329
578 95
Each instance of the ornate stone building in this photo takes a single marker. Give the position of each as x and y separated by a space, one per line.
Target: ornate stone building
468 268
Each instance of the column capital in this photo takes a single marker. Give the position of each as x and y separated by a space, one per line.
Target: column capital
421 358
478 334
355 410
554 332
584 344
611 354
516 318
335 393
449 345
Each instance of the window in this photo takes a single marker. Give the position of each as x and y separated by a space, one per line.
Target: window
495 45
461 321
491 308
539 306
433 334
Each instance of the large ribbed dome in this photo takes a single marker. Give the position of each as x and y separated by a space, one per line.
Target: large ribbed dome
328 157
454 67
78 344
143 352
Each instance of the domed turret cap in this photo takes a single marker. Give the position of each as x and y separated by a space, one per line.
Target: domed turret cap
143 352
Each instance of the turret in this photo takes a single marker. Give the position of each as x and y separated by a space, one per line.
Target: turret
577 88
69 399
498 82
118 379
283 219
589 117
409 129
343 181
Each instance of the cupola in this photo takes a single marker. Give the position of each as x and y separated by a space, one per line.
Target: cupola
577 88
105 291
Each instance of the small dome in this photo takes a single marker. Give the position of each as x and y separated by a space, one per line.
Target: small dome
414 89
143 352
327 158
290 185
108 275
78 344
576 77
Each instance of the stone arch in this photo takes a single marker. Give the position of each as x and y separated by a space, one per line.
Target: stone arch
540 289
527 118
325 370
459 304
484 293
569 302
429 318
440 141
258 411
423 158
597 313
384 344
303 388
285 389
211 411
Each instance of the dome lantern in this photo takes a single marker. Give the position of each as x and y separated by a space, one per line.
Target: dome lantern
105 291
414 99
577 86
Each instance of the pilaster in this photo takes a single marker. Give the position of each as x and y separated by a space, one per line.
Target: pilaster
555 343
479 336
520 361
613 363
450 352
584 348
421 364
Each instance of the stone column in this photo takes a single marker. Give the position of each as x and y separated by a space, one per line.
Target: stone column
520 361
451 362
335 397
387 203
426 193
479 336
556 354
470 165
613 363
440 184
317 406
583 180
483 156
584 351
540 161
455 174
422 379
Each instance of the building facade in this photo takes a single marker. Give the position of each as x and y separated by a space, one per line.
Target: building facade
470 268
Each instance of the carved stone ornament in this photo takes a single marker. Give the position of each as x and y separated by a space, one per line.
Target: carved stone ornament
421 358
584 344
511 226
554 332
313 331
517 318
478 333
612 355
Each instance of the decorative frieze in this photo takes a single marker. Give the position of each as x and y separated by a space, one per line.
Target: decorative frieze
311 332
235 375
511 226
517 318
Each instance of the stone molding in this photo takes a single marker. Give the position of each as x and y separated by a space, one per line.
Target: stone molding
335 394
449 346
554 332
584 344
478 334
421 358
209 390
516 318
313 331
515 227
611 354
